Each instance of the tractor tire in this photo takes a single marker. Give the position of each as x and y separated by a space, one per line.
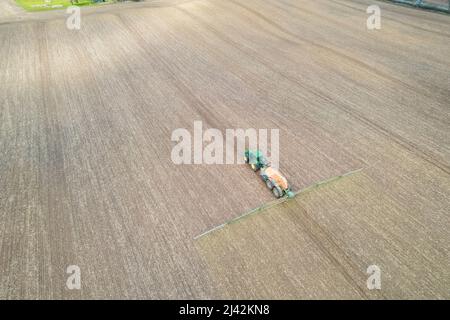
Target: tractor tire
254 167
245 159
277 192
269 184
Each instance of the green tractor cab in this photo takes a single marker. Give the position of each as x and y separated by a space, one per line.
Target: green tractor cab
256 159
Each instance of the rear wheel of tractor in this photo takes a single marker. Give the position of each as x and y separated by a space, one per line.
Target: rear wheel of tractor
269 184
254 167
246 159
277 192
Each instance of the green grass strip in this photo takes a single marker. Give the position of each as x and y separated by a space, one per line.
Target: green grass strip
42 5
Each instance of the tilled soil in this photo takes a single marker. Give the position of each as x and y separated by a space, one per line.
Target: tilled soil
86 119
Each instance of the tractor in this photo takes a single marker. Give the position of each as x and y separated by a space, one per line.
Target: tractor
276 182
256 159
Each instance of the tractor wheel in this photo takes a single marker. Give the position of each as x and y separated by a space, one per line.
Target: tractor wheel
269 184
254 167
245 159
277 192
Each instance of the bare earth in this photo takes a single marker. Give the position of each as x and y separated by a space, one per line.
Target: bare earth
10 10
86 177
